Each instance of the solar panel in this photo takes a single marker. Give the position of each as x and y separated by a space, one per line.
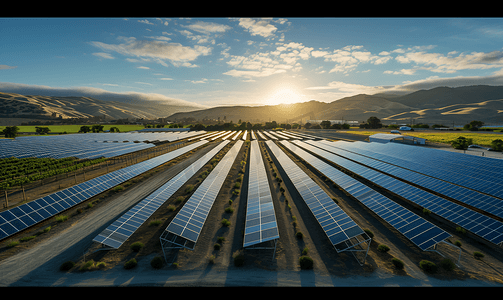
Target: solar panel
475 172
120 230
489 204
419 231
261 135
244 135
337 225
270 135
253 137
260 225
219 135
189 221
479 224
28 214
237 134
228 135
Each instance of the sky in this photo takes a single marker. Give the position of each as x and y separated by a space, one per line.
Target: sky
246 61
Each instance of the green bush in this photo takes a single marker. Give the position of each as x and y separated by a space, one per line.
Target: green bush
136 247
220 239
155 223
397 263
13 244
370 233
428 266
61 218
460 230
237 185
305 251
306 262
189 188
217 246
27 238
229 209
179 199
130 264
426 211
156 262
383 248
118 188
67 265
87 265
235 192
171 207
478 255
299 235
447 264
226 222
457 243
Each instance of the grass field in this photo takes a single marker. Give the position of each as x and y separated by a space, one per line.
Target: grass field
75 128
484 139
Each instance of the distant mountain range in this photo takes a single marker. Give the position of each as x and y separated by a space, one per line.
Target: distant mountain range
446 105
438 105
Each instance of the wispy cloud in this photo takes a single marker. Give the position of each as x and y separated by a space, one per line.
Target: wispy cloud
142 67
145 22
207 27
6 67
262 27
104 55
176 53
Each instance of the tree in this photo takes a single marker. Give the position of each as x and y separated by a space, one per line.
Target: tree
325 124
97 128
497 145
85 129
114 129
374 122
461 143
198 126
473 125
307 125
42 130
10 131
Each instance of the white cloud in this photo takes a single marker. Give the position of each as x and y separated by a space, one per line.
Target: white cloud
6 67
144 83
176 53
260 27
146 22
207 27
104 55
165 78
160 38
401 72
142 67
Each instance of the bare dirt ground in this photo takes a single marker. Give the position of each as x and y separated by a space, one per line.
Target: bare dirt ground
36 262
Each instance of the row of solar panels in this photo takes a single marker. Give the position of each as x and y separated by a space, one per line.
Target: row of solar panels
21 217
85 146
477 223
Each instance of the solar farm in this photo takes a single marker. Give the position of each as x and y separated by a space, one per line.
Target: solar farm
265 200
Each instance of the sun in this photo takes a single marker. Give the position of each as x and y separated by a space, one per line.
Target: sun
284 95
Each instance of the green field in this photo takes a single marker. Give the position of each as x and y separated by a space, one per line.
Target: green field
483 139
75 128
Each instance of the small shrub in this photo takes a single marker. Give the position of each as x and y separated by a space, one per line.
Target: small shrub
282 189
175 265
335 200
156 262
61 218
80 210
155 223
89 205
27 238
171 207
426 211
130 264
397 263
136 247
447 264
299 235
428 266
383 248
294 218
235 192
67 265
239 260
237 185
239 179
217 246
118 188
226 222
13 244
87 265
460 230
101 265
179 199
189 188
229 209
212 259
458 243
230 201
369 232
306 262
304 252
220 239
478 255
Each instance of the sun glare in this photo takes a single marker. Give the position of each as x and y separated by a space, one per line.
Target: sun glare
284 96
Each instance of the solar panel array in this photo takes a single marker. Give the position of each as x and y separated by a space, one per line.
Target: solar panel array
270 135
244 135
336 224
120 230
262 136
489 204
237 134
228 135
253 137
419 231
479 224
190 220
260 225
219 135
31 213
479 173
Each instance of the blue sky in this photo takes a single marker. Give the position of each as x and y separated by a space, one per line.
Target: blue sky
246 61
